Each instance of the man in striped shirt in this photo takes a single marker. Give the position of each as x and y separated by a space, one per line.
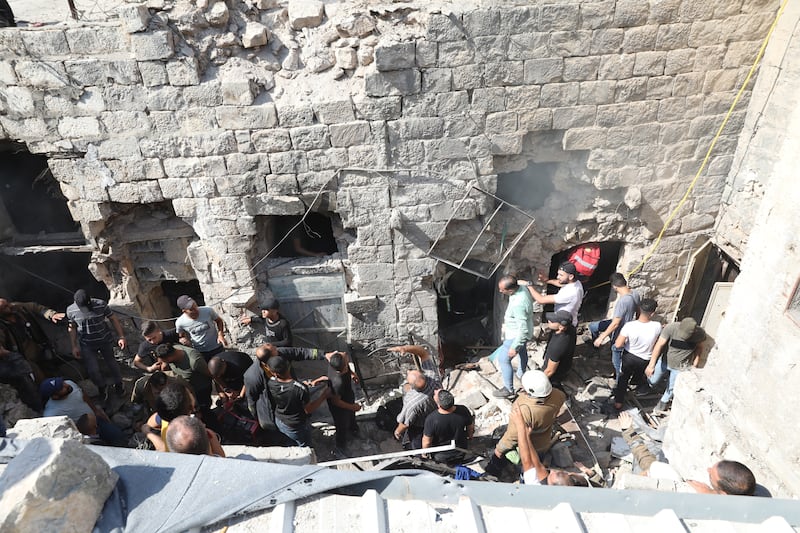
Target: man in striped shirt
90 336
418 397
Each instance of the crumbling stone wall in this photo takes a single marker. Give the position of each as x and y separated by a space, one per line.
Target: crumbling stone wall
743 397
234 110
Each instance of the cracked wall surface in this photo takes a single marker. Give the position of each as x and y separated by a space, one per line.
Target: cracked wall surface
383 115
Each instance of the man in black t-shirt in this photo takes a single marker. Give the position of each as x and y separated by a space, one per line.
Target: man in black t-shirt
276 328
448 422
342 401
227 369
560 348
292 401
145 358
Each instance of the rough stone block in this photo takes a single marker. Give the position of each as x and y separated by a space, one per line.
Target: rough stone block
25 129
172 188
489 100
395 56
660 87
183 71
310 137
240 91
143 192
456 53
50 427
649 64
630 13
206 94
444 28
468 77
95 40
573 117
152 45
538 71
7 74
288 162
119 148
78 127
559 94
44 43
492 49
415 128
616 67
366 156
54 485
503 122
506 144
274 140
437 80
581 68
93 72
442 149
134 18
571 43
639 39
426 53
596 92
305 13
350 134
290 116
394 83
247 117
529 46
452 104
631 89
503 73
194 166
165 98
264 204
154 73
16 100
536 120
679 61
584 138
255 34
42 74
346 58
672 36
333 112
559 17
330 159
607 41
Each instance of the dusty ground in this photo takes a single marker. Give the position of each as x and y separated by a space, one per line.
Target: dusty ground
29 12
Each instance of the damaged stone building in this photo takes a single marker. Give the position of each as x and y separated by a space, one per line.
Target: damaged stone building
375 165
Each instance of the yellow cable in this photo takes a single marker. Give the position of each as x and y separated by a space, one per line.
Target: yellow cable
713 141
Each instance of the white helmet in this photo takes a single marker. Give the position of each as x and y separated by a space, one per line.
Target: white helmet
536 384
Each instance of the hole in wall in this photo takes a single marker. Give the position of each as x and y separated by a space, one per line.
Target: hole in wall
528 188
173 289
597 291
313 238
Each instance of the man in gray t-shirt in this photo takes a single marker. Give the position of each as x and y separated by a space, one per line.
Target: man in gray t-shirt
684 344
625 310
201 328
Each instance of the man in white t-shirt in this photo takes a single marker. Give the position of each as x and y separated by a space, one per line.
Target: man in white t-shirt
570 294
637 339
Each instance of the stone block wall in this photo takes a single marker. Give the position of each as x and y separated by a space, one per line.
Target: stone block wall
230 111
742 398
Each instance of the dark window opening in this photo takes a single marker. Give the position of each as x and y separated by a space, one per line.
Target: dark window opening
312 238
49 278
596 288
31 196
715 267
464 305
172 290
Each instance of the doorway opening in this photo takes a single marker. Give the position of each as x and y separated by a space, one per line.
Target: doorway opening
597 291
174 289
465 313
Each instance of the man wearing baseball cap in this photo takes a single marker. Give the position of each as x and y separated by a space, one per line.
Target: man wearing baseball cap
63 397
570 293
277 331
560 348
200 327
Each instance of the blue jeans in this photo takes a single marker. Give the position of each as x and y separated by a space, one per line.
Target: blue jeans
659 372
301 435
501 355
89 357
616 353
673 375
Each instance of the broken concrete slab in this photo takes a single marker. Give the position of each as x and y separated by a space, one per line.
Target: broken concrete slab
292 455
54 485
53 427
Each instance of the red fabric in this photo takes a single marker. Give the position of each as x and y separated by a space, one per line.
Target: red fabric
585 258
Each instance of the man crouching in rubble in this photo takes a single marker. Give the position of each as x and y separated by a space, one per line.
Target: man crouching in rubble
417 398
539 405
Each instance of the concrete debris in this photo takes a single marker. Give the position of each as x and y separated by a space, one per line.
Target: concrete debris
292 455
356 25
218 15
255 34
54 427
54 485
305 13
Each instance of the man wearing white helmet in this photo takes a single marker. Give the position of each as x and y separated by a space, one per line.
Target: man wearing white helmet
539 404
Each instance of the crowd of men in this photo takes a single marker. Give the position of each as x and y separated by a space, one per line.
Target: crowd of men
184 367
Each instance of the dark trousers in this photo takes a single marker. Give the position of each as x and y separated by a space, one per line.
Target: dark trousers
345 421
412 438
632 370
